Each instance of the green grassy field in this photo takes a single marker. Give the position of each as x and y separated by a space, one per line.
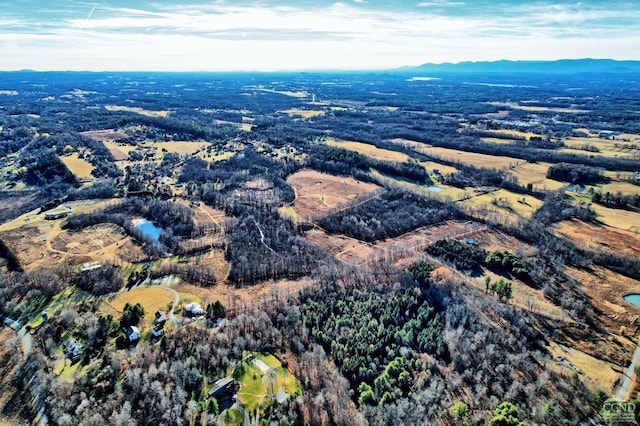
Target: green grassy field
257 386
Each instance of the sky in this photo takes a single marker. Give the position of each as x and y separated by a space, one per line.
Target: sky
267 35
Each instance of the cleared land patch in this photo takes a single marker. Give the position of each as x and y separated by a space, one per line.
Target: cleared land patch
536 108
152 299
369 150
78 166
621 219
506 202
304 113
472 158
605 147
137 110
448 193
591 236
318 193
536 175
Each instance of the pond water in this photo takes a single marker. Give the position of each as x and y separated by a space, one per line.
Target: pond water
435 189
633 298
149 229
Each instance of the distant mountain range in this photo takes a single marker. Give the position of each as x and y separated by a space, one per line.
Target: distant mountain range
563 66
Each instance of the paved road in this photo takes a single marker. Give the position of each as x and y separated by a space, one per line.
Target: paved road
628 375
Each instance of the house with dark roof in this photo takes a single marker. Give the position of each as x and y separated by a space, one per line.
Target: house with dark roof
72 350
223 389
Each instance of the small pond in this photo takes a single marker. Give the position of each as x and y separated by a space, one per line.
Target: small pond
435 189
149 229
633 298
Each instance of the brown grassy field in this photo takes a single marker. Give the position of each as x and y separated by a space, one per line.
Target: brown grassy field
353 251
599 374
137 110
500 141
625 188
40 243
177 147
536 174
606 290
369 150
152 299
607 147
104 135
304 113
621 219
78 166
535 108
508 203
317 192
472 158
448 193
119 151
590 236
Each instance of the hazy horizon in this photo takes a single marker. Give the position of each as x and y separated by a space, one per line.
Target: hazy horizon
118 35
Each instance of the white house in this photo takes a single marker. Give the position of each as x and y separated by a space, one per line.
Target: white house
194 309
133 333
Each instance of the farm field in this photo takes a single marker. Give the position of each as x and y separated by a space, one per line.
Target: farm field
626 188
472 158
606 147
536 108
78 166
447 193
505 202
118 150
591 236
501 141
152 299
621 219
318 193
137 110
304 113
104 135
369 150
535 174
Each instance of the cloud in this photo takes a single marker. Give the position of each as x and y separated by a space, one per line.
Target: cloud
225 36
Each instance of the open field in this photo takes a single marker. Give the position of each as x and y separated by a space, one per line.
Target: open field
317 192
590 236
606 147
625 188
369 150
257 385
353 251
78 166
535 174
137 110
501 141
505 202
177 147
606 290
104 135
298 94
621 219
152 299
40 243
474 159
599 374
118 150
448 193
304 113
535 108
